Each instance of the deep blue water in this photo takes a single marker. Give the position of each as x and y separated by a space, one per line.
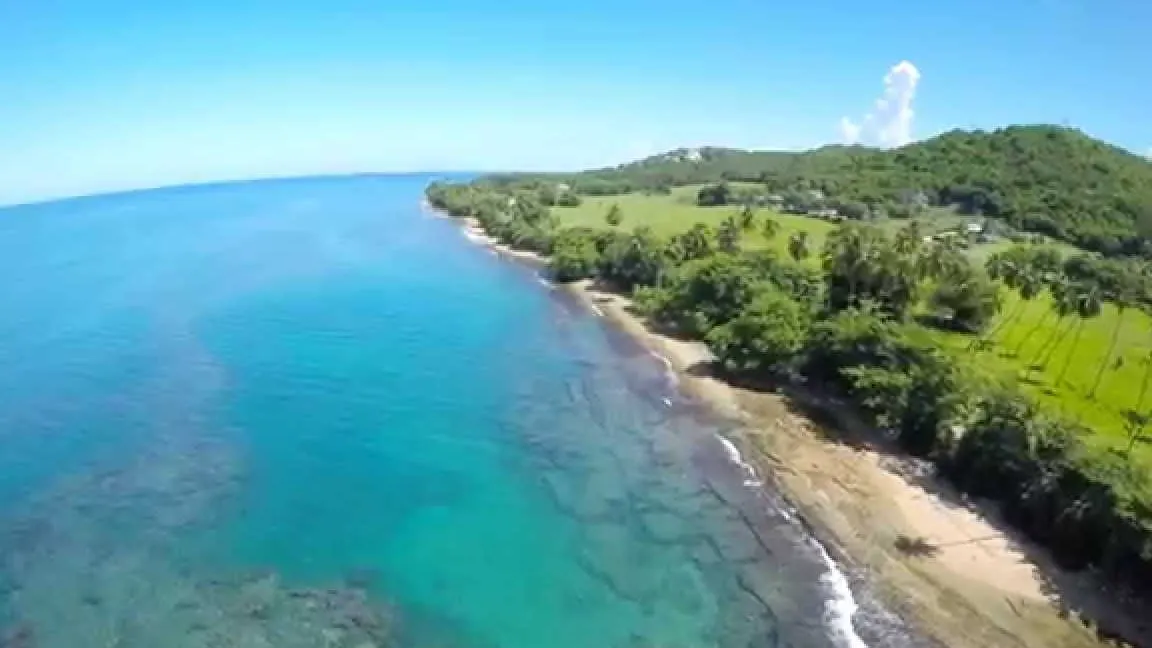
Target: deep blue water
307 413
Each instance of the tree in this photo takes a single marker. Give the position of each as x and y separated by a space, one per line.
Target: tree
1019 274
696 243
770 228
1064 304
940 259
909 239
1144 382
1056 288
636 259
728 236
1121 297
747 218
614 216
568 199
969 296
915 395
1086 298
1134 426
862 265
766 336
1001 267
574 255
706 293
798 246
1029 285
714 195
848 252
853 210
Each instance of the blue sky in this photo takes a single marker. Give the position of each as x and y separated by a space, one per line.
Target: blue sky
101 96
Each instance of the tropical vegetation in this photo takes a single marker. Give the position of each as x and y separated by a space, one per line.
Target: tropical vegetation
1050 180
866 322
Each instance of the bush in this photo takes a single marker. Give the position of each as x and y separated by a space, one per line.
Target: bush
714 195
568 199
767 336
575 255
706 293
636 259
968 296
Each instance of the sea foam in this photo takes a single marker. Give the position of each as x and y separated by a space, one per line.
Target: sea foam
841 605
669 369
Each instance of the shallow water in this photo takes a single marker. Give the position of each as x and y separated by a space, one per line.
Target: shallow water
305 413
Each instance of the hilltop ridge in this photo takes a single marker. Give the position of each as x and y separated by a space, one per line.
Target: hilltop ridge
1041 178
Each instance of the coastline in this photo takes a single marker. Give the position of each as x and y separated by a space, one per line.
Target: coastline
856 506
980 587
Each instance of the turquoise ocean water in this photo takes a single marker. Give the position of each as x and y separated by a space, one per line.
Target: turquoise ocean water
307 413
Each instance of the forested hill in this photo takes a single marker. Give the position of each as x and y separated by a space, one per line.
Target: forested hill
1048 179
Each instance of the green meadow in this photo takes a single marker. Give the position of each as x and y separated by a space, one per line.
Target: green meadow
1065 381
1024 334
678 212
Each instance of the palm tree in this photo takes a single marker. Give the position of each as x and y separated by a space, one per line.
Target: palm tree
614 216
696 243
847 254
1144 382
1057 287
1088 305
1119 298
1134 424
939 259
909 239
747 218
1028 279
798 246
728 235
1027 285
770 228
1064 303
999 268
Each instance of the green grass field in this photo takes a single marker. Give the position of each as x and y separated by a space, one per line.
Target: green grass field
678 212
1016 344
1019 343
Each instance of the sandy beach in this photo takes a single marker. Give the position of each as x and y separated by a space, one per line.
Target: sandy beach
970 581
979 587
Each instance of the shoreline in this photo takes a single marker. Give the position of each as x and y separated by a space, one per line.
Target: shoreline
982 586
848 523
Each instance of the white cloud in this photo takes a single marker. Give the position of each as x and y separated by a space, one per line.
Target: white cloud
889 123
849 131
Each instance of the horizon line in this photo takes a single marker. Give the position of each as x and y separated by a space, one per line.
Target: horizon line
235 181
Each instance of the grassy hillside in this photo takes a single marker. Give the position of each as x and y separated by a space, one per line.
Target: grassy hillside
1017 345
1047 179
677 212
1064 382
1040 178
